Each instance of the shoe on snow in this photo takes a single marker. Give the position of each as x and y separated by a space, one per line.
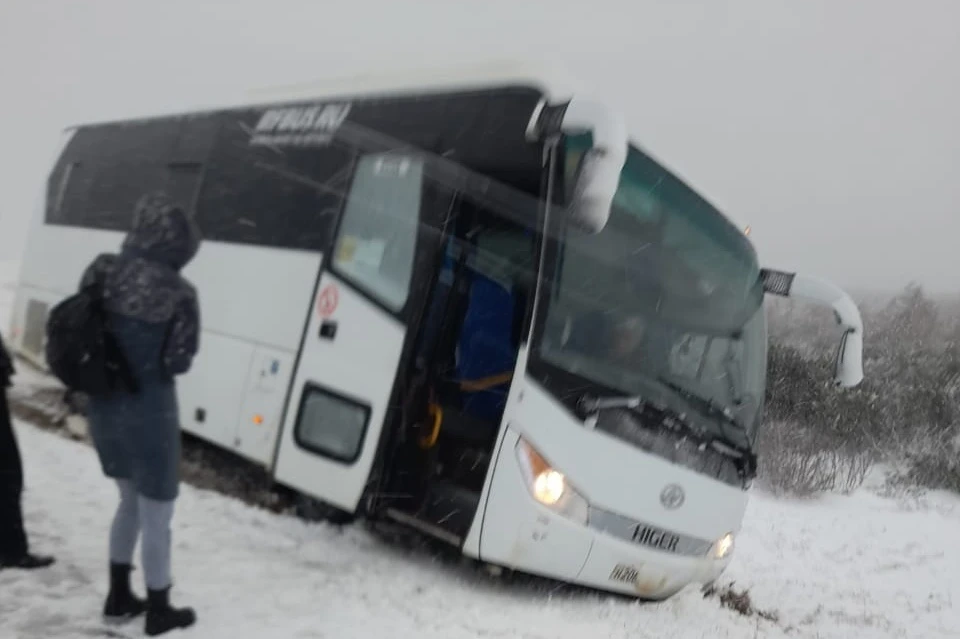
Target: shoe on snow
26 562
121 604
162 617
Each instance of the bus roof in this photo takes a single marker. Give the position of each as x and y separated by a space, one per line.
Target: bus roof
546 77
555 83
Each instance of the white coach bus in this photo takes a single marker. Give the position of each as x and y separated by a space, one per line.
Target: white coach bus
463 301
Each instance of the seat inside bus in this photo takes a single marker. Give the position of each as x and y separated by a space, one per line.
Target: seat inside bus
475 360
486 352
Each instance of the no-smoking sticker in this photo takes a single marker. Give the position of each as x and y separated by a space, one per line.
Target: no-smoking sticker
328 300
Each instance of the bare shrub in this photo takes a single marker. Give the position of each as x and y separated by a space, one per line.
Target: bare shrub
933 461
936 472
906 411
851 469
737 601
928 460
799 461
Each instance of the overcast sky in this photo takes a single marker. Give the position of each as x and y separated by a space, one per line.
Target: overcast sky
830 126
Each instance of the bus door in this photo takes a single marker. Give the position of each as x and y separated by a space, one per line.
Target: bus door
371 287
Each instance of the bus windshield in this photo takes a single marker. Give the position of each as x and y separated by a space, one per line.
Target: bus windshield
664 303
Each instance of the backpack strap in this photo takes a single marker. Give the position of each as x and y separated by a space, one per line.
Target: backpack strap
121 373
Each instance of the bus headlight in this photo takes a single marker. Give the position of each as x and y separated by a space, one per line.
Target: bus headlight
722 547
549 486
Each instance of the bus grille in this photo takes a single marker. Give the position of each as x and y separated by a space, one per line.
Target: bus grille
647 535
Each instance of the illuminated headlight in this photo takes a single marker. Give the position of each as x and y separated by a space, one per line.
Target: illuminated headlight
549 486
722 547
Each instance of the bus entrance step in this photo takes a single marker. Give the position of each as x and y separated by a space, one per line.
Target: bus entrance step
425 527
450 507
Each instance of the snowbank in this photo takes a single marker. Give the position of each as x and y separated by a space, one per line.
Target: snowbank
860 566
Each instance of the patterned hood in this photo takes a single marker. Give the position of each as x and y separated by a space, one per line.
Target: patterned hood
144 282
162 232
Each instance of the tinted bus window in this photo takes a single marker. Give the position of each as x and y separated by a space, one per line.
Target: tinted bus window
285 197
106 168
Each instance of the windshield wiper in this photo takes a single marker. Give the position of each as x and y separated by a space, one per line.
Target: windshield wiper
672 418
596 404
724 417
638 404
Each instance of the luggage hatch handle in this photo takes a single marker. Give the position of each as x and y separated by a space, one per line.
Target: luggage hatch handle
328 330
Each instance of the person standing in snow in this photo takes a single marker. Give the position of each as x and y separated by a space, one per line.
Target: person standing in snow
154 314
14 549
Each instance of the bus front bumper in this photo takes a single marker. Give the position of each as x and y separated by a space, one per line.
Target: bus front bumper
622 566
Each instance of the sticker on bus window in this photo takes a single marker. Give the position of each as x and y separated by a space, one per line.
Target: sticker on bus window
360 257
369 254
346 249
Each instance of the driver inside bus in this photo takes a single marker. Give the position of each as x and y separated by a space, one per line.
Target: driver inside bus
617 339
626 339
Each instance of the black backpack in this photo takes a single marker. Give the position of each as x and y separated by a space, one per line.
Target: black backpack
81 351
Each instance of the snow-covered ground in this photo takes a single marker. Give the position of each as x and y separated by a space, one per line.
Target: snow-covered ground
858 566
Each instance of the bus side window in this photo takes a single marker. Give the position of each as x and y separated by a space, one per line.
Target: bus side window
377 239
105 168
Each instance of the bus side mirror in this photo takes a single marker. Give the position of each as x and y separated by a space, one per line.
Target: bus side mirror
849 366
600 169
848 370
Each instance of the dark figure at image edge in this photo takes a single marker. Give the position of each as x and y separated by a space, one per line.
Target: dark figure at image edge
14 548
153 314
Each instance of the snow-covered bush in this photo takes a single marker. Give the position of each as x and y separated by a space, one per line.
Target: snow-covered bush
931 461
907 410
798 461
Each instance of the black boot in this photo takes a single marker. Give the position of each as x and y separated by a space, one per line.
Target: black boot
161 617
26 562
122 604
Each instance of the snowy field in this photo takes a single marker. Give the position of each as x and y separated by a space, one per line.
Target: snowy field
858 566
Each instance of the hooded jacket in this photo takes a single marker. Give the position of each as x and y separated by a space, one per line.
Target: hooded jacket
154 313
